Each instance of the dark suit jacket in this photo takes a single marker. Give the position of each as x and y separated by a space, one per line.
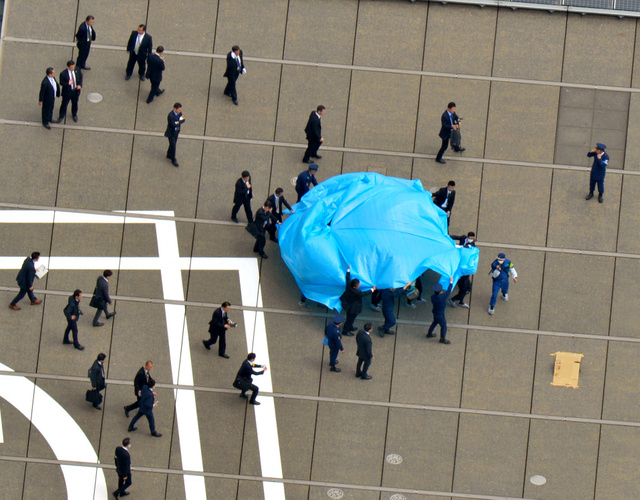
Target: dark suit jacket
174 121
232 70
445 130
462 239
441 195
155 67
72 309
123 461
145 45
65 82
140 381
47 95
246 370
218 320
27 272
102 290
242 193
363 339
261 220
81 36
313 128
146 400
277 207
96 375
351 299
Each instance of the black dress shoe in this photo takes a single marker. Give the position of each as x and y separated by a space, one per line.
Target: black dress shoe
47 126
156 434
348 334
334 369
86 67
441 161
307 161
589 196
111 315
142 78
127 77
126 412
430 335
600 198
275 240
366 377
445 341
131 429
225 356
207 346
317 157
98 324
79 347
67 342
244 396
115 494
97 407
126 493
161 91
59 120
254 403
264 255
358 375
175 163
460 150
75 118
236 103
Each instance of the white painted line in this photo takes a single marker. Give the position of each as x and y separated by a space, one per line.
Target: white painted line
71 444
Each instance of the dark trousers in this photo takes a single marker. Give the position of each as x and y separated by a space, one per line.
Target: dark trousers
592 185
261 241
23 291
152 421
133 59
72 326
254 393
73 97
464 287
222 345
389 317
133 406
47 113
312 149
247 209
439 319
348 324
83 53
99 313
362 367
271 229
333 355
498 285
376 297
230 89
123 484
155 90
171 152
443 148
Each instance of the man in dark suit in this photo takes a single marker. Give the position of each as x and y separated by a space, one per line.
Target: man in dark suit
277 200
242 197
449 121
72 312
174 121
264 217
364 352
464 282
146 408
138 47
49 90
101 297
96 375
155 67
218 327
141 379
351 301
439 301
25 278
235 68
85 35
71 83
444 198
305 179
314 134
244 381
123 468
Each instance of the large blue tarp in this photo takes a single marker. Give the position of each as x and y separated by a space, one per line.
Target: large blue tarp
387 229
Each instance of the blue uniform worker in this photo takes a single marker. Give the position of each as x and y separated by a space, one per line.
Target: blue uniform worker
332 332
501 269
598 170
439 301
305 179
388 298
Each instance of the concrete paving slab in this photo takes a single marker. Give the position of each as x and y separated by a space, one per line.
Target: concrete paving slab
59 25
632 148
566 478
15 433
332 43
536 108
592 54
200 290
577 98
472 100
628 216
505 385
321 492
618 478
392 99
387 32
296 430
86 240
621 387
385 165
472 51
110 30
573 136
567 280
257 28
624 314
573 155
302 89
576 223
526 208
218 488
41 479
13 479
573 116
529 45
491 455
586 401
224 241
146 483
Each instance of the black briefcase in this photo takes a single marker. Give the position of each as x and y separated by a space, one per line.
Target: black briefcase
93 397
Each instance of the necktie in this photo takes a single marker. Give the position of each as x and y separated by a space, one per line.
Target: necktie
137 47
73 79
88 33
238 62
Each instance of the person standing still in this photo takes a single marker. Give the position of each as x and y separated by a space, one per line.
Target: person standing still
314 134
147 404
101 297
439 301
598 170
123 468
174 120
85 35
71 83
96 375
449 121
365 352
141 379
49 90
351 300
235 68
305 179
332 332
242 197
444 198
72 312
138 47
155 67
25 278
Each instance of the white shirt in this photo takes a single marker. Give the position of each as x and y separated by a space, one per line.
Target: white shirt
138 42
88 33
446 200
53 83
72 79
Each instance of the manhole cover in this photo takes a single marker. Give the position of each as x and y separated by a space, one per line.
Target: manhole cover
538 480
394 459
294 180
397 496
94 97
335 493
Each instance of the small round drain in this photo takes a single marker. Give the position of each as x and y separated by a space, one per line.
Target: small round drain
394 459
538 480
397 496
94 97
335 493
294 180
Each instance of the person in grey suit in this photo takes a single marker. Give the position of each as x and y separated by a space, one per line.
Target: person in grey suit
101 297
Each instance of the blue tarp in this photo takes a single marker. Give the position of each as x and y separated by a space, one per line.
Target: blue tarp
387 229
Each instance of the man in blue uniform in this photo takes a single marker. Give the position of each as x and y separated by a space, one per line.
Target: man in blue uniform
332 332
305 179
598 170
388 298
439 301
501 269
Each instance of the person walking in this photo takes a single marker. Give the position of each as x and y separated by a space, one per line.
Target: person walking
313 129
218 327
334 339
49 90
84 36
305 179
464 282
174 120
139 47
244 379
123 468
25 278
242 196
235 68
71 84
449 121
155 67
501 269
364 352
97 377
72 312
598 170
439 301
142 378
388 298
258 228
147 404
277 201
101 298
351 301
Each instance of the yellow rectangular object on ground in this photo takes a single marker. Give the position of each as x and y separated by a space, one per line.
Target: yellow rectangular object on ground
567 369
